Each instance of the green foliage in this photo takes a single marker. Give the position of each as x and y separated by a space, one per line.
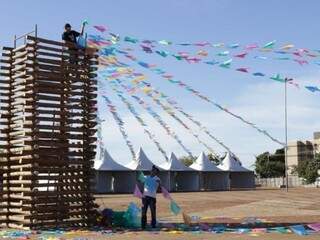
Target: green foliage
187 160
270 165
214 159
309 169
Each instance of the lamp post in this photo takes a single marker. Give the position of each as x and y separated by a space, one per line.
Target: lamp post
286 132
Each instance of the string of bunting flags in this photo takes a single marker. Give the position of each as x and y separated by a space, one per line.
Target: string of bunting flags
109 48
157 117
226 64
146 88
171 113
191 90
120 123
131 108
114 61
265 48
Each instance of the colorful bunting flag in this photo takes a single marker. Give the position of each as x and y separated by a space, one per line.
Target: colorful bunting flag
174 207
137 193
277 78
226 64
299 230
312 88
314 226
165 193
100 28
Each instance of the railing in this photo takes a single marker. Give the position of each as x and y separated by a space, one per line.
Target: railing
24 36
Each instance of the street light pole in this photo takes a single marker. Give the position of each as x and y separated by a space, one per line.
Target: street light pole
286 132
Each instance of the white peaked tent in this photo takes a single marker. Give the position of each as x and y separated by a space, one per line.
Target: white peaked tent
112 176
141 163
182 178
211 177
240 177
144 164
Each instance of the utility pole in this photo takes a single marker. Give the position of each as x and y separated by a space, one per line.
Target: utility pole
286 132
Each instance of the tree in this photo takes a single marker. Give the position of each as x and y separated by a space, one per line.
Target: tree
270 165
187 160
214 158
309 169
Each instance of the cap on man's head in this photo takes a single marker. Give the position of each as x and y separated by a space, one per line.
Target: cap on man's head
67 25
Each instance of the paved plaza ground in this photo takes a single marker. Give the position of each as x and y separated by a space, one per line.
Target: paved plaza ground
274 206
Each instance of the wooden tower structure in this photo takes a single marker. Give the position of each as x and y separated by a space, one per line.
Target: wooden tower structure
47 127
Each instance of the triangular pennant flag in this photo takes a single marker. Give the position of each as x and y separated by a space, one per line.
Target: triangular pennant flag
222 54
243 230
226 64
162 53
299 229
258 74
245 70
269 44
165 193
241 55
141 177
314 226
186 218
137 193
100 28
312 88
277 78
130 39
287 47
234 45
164 42
175 209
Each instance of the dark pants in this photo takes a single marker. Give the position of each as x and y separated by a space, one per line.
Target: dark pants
148 202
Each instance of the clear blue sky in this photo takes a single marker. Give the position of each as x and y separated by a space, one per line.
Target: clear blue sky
237 21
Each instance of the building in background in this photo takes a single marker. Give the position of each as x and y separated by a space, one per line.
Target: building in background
299 151
316 141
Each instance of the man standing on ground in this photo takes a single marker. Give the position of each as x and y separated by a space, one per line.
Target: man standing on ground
149 199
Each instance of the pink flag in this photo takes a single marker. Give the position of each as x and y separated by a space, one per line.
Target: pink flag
245 70
137 193
165 193
251 46
100 28
241 55
314 226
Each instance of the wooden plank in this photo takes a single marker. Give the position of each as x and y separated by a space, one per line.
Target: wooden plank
42 40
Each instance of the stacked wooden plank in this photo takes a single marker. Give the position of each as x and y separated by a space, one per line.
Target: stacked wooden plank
47 126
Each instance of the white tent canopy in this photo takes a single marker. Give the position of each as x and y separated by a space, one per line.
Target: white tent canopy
232 163
210 176
108 164
204 164
111 176
174 164
182 178
142 162
240 177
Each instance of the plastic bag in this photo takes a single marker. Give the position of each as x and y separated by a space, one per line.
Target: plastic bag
82 42
118 219
133 216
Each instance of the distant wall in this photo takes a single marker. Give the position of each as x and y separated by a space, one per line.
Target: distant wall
293 181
